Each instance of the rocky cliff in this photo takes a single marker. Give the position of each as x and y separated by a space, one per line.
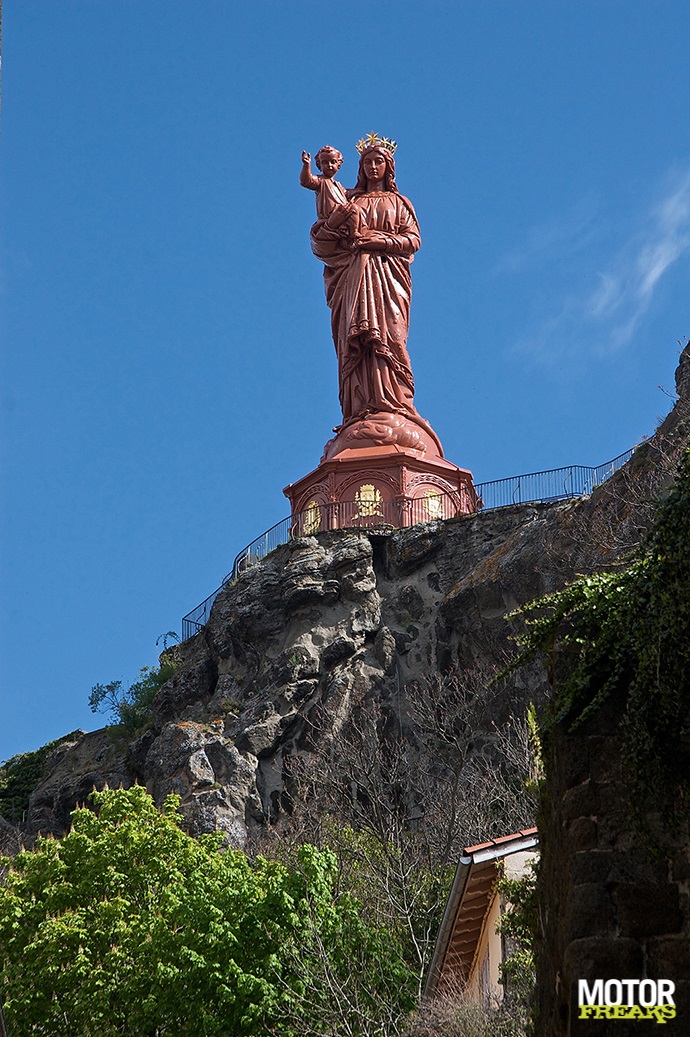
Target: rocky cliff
326 622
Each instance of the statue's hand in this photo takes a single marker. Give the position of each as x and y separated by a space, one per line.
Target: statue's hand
370 241
306 157
339 215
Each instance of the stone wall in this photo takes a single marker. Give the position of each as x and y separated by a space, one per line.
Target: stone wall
614 886
613 909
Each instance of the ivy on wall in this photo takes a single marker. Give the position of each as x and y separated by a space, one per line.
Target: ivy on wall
626 636
21 774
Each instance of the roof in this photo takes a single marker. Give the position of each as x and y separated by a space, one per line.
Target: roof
525 839
470 897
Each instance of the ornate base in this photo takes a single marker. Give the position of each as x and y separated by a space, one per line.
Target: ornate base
383 469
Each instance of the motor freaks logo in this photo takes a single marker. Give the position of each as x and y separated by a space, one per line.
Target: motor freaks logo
636 999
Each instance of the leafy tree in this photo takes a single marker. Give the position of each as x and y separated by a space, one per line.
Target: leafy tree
519 926
130 926
132 708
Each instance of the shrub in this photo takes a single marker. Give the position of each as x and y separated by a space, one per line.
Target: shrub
132 708
21 774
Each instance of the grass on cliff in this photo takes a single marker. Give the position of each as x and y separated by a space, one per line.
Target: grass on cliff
21 774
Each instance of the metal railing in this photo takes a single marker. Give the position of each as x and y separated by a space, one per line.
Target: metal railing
554 484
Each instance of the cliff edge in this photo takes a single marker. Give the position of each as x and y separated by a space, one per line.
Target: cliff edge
325 623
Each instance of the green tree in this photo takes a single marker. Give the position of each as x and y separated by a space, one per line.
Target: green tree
129 926
132 708
519 926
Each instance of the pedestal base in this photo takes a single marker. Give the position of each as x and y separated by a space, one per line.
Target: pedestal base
381 470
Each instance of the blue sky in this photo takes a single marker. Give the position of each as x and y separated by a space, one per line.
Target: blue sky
167 366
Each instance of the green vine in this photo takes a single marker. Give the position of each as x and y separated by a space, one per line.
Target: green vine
626 636
21 774
520 923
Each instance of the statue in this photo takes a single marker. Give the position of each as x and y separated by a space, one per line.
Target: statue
329 193
366 238
385 464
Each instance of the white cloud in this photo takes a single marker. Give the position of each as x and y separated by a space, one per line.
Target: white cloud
604 310
565 235
606 296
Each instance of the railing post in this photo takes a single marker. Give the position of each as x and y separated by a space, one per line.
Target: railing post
405 512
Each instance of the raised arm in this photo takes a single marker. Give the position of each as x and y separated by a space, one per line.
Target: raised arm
306 177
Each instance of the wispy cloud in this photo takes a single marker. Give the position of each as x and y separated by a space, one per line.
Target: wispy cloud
605 309
559 237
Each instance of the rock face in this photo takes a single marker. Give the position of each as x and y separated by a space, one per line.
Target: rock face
613 909
326 622
9 838
319 625
73 771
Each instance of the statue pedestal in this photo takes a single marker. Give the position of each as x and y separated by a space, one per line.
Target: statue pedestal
381 470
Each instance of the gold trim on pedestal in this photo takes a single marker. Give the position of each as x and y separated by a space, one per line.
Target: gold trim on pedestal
368 500
311 518
433 504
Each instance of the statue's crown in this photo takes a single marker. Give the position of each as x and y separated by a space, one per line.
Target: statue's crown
372 140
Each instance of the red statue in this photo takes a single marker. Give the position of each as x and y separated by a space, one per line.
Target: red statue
366 238
329 193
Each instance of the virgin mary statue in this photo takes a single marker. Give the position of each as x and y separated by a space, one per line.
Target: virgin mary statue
385 464
367 246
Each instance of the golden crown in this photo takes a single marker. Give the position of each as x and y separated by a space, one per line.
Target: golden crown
372 140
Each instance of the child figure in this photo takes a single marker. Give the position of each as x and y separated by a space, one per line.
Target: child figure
329 193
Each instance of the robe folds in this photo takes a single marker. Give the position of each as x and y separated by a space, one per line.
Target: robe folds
369 295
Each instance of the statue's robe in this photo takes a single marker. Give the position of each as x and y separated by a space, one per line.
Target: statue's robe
369 297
